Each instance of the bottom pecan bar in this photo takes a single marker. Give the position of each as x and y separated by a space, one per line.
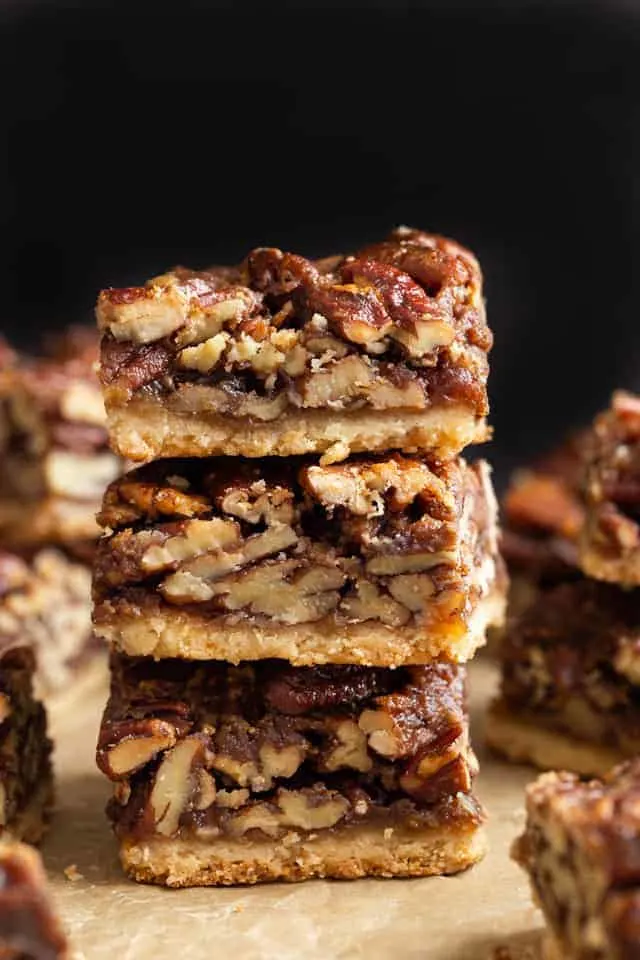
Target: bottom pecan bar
570 692
25 750
581 849
29 927
239 774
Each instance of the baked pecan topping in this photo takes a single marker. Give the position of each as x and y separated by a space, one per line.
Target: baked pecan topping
266 746
311 334
371 539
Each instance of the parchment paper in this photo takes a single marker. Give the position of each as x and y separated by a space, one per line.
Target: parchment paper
454 918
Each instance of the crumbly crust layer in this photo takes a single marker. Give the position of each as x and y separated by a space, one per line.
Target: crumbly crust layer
347 854
51 520
527 740
251 551
397 328
149 430
152 630
610 542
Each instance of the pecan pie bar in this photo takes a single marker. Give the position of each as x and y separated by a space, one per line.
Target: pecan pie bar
570 694
26 789
581 850
29 925
542 516
382 561
53 440
239 774
610 545
383 349
45 604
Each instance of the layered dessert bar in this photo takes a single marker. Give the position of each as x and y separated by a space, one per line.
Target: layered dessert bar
379 560
239 774
542 516
53 440
570 694
29 926
45 604
581 850
610 544
382 349
26 790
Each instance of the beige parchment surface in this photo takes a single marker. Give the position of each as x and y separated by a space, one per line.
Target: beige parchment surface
468 917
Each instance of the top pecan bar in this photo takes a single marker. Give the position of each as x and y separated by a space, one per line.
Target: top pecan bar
383 349
581 849
56 460
610 542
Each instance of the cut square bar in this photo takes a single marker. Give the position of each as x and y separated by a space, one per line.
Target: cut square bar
45 604
610 545
26 786
29 926
570 693
383 349
581 850
55 456
381 561
240 774
542 516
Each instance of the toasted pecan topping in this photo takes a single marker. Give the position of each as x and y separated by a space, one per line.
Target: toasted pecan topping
371 539
253 744
311 334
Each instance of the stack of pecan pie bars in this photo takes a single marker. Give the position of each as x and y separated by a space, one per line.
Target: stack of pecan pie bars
291 583
55 464
570 696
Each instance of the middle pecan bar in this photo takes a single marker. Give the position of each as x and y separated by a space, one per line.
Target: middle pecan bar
377 561
264 771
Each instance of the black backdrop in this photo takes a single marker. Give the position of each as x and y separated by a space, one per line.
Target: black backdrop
138 136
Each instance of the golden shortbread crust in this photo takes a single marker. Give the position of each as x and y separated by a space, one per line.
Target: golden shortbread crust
344 854
523 741
164 631
180 426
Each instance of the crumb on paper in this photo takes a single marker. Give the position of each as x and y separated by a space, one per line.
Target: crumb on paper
504 952
72 873
239 907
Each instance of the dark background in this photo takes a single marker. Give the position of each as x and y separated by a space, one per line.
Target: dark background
135 137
